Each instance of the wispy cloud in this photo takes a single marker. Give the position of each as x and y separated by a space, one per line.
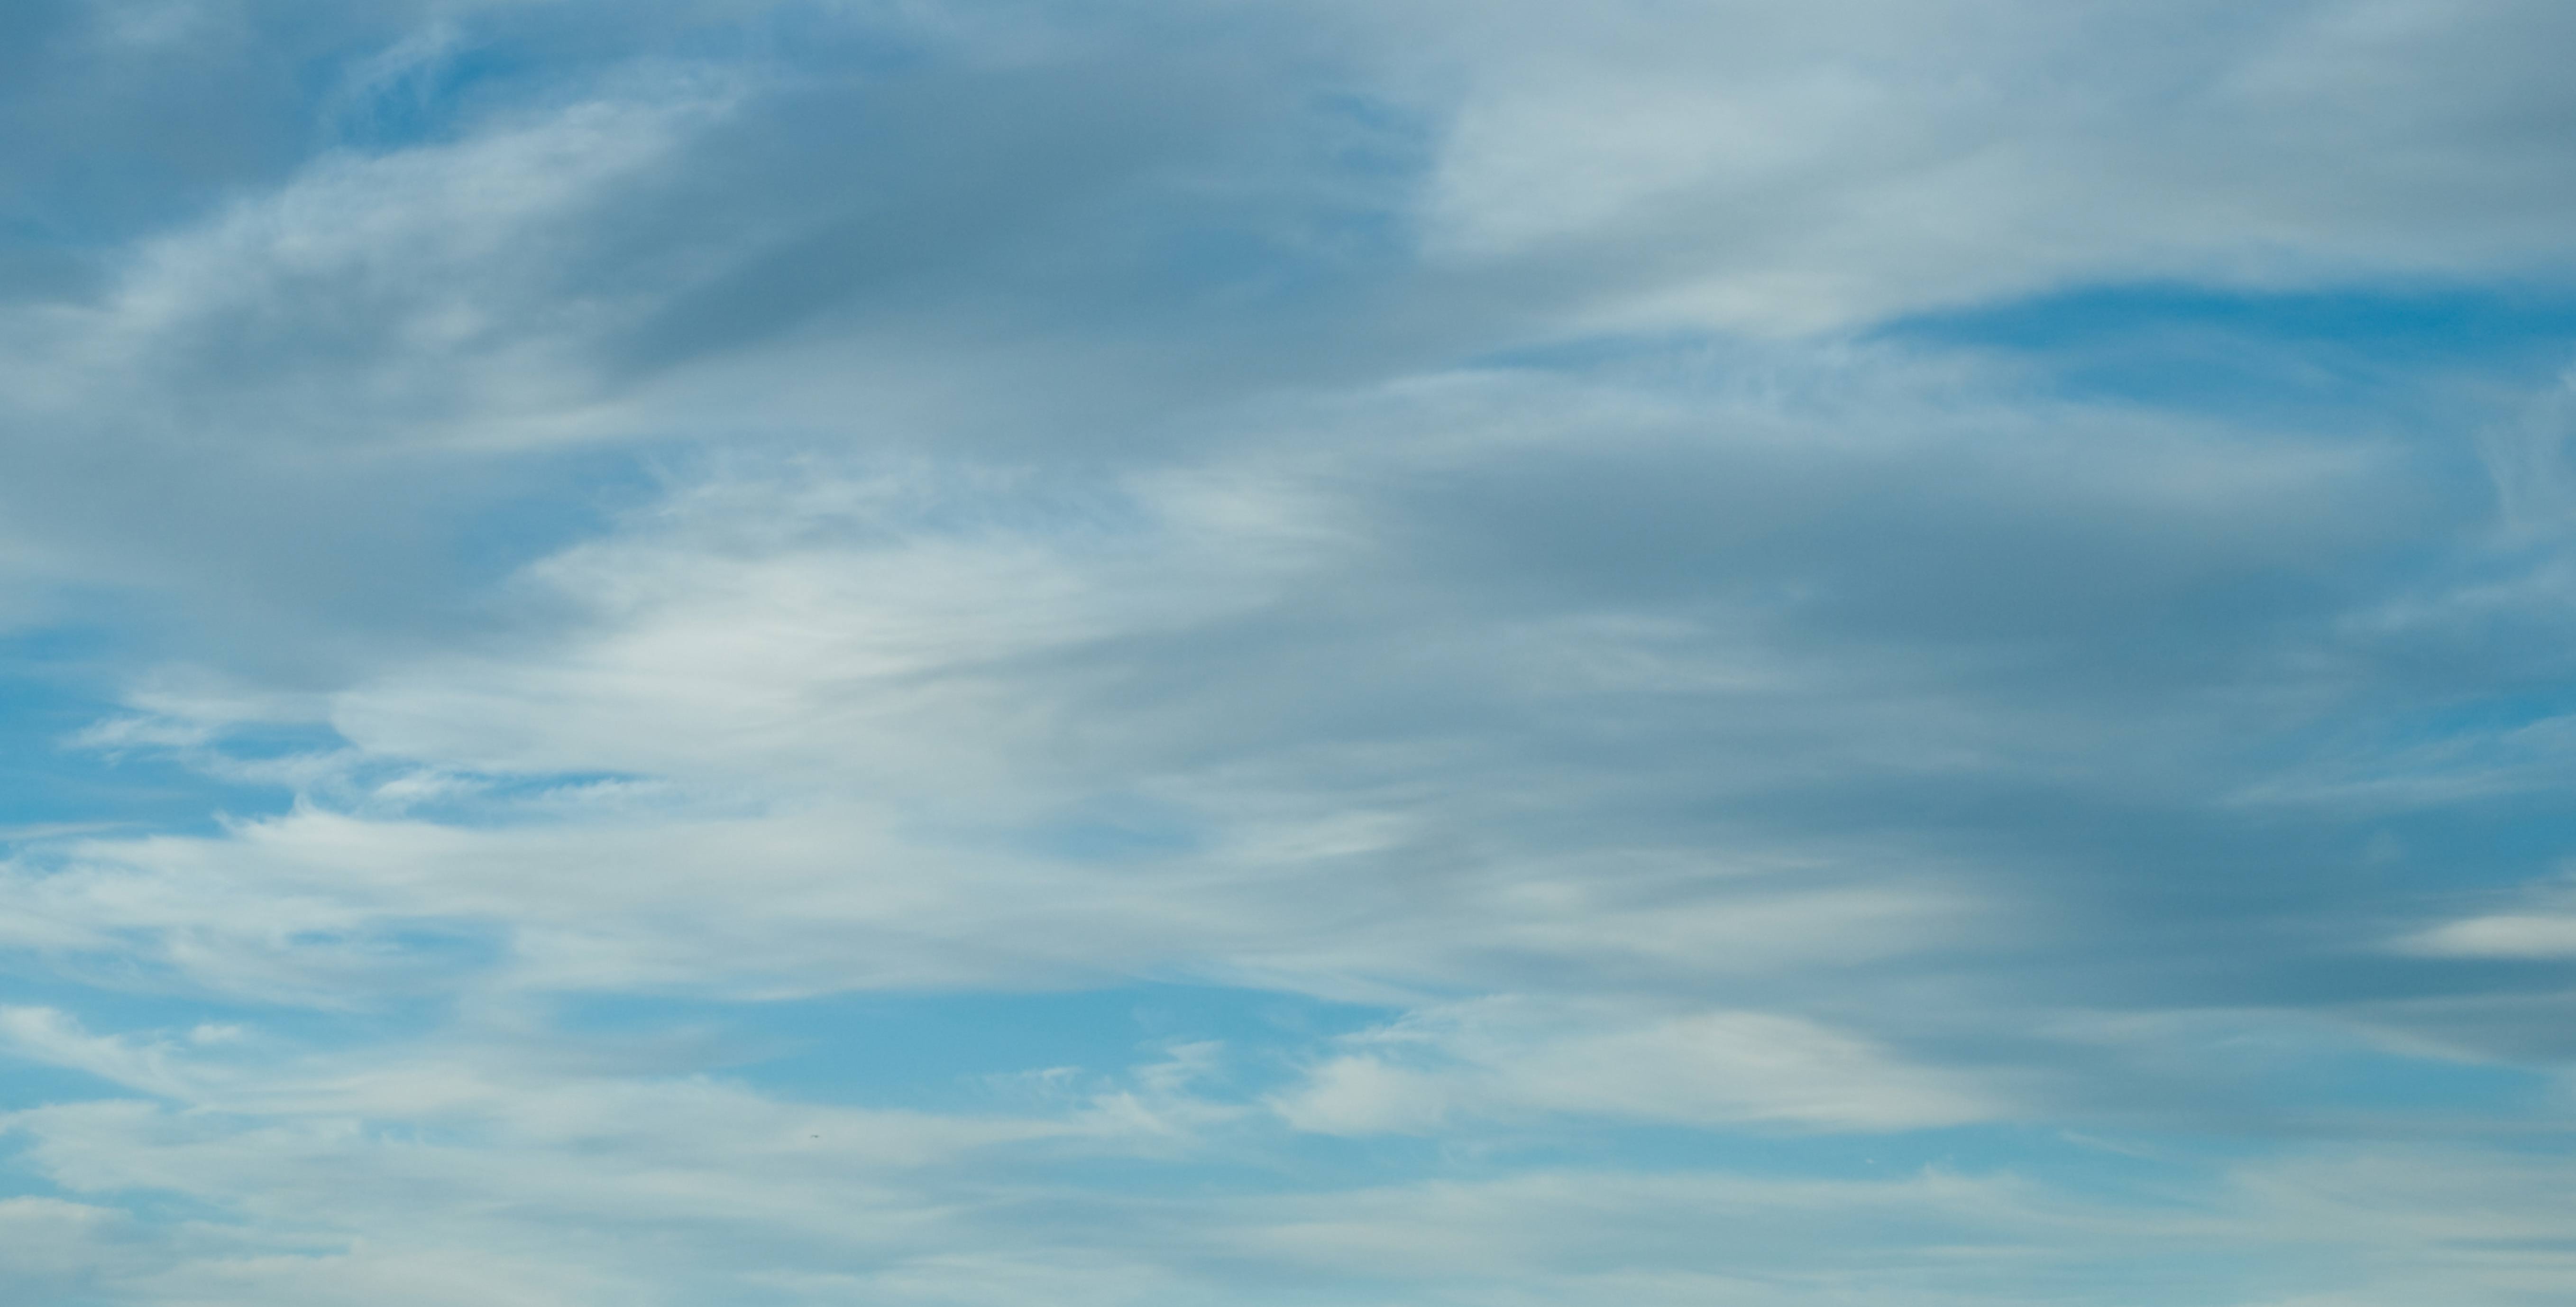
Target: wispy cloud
1289 653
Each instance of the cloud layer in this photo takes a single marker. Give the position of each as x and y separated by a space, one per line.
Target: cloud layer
1294 653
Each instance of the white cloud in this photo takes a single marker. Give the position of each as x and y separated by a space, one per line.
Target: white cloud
2500 935
1751 167
1077 550
1513 1057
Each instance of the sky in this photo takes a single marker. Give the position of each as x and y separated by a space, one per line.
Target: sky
1373 653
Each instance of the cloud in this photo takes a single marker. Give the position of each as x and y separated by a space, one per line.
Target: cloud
1513 1056
513 1163
1571 573
2542 926
1755 169
55 1249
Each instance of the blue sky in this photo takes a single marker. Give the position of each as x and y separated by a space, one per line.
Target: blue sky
1396 654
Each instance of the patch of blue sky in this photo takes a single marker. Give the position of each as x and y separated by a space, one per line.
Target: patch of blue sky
52 787
436 83
2431 1095
20 1177
425 89
2480 783
2327 354
408 956
1000 1050
2467 323
139 1008
27 1085
69 773
2354 361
